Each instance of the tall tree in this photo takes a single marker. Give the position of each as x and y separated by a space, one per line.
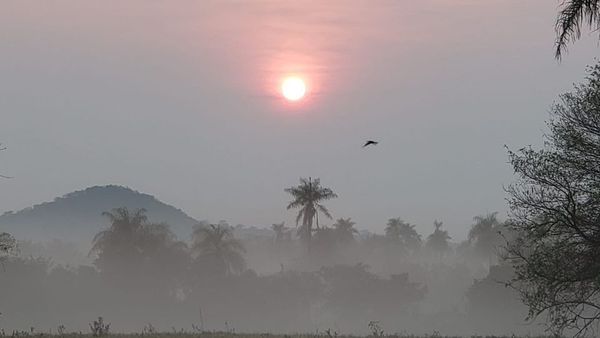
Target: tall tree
438 240
486 235
307 197
133 245
215 246
572 15
403 233
119 247
344 230
555 210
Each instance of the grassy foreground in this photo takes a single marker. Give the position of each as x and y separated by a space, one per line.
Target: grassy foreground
329 334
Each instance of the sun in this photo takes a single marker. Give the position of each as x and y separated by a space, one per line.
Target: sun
293 88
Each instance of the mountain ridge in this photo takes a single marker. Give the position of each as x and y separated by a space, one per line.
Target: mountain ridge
78 216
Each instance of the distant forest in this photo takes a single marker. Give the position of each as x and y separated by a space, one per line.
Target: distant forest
284 278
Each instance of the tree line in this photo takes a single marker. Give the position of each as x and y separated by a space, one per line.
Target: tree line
137 262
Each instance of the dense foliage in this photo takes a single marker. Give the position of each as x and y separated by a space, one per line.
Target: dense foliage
556 211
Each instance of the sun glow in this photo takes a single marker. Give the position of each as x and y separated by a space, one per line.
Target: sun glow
293 88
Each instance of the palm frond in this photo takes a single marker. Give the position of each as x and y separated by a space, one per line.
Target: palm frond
324 210
295 204
299 216
570 18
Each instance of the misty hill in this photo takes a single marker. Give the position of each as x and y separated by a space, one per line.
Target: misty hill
77 216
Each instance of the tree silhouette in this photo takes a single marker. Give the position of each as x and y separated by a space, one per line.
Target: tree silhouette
307 196
438 240
573 14
215 245
555 212
119 246
133 245
485 235
403 233
344 229
380 297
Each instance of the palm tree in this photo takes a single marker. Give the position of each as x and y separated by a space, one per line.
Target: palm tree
307 196
131 242
403 233
123 223
392 230
215 244
485 234
572 15
345 230
438 240
118 245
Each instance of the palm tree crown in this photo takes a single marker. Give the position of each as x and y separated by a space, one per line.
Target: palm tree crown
573 14
119 245
131 242
123 225
215 244
485 234
403 233
344 228
307 196
438 240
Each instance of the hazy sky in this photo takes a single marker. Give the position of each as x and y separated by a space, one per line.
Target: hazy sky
179 99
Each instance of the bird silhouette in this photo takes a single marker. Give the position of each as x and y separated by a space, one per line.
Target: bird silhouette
370 142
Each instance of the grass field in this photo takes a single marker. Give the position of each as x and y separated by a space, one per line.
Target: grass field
234 335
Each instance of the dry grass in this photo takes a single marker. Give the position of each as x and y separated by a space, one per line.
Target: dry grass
240 335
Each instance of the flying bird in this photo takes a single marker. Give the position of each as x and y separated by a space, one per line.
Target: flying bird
370 142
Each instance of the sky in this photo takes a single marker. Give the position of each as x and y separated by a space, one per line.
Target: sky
180 99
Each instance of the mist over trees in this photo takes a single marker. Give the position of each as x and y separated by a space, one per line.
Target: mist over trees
148 265
216 248
486 235
437 242
272 279
541 262
403 235
327 272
